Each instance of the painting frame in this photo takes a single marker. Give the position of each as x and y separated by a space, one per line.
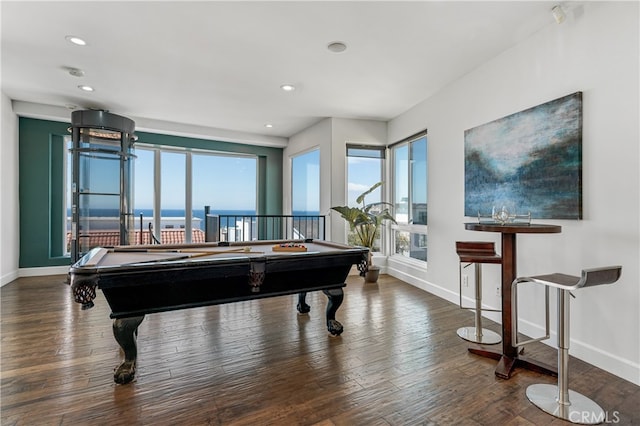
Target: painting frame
528 162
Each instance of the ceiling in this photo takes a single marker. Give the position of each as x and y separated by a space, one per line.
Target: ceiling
219 65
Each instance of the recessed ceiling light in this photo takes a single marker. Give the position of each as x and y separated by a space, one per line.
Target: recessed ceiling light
336 47
86 88
268 125
75 40
288 87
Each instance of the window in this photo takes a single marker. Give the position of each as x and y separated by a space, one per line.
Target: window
212 187
143 193
172 192
364 169
305 183
410 197
187 181
168 182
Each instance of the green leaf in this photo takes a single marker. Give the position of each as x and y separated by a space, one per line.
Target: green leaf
360 199
364 222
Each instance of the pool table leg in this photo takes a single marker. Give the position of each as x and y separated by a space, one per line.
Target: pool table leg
125 330
303 308
336 296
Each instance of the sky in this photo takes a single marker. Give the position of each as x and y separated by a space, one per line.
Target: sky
223 182
305 182
363 173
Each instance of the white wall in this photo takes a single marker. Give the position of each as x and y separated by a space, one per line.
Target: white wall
9 209
595 51
331 136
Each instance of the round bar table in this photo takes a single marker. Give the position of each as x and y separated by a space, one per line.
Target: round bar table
509 358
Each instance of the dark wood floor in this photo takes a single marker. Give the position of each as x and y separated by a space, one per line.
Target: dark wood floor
399 362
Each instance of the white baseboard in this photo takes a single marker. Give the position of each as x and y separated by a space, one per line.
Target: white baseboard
615 365
47 270
33 272
411 275
7 278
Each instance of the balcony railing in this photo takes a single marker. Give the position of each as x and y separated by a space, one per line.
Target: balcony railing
263 227
102 233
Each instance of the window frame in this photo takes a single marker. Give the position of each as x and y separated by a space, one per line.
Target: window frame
377 152
315 149
409 226
157 151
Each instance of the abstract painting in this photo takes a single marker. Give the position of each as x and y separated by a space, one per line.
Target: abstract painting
529 162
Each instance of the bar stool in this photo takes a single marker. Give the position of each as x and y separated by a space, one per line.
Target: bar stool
558 400
476 253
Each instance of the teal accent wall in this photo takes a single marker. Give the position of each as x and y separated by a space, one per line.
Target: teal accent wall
41 180
41 174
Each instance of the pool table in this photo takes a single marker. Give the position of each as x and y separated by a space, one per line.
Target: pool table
145 279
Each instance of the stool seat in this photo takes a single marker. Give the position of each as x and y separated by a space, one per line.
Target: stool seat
589 278
477 253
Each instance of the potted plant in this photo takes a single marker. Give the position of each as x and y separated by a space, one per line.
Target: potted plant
365 222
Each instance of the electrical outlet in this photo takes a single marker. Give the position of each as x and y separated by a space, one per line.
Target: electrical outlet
465 280
498 291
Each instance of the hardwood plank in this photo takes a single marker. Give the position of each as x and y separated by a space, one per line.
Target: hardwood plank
399 362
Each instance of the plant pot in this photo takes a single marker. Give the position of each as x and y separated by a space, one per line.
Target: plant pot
372 274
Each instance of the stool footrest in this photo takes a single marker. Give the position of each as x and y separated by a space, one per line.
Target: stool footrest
473 308
514 314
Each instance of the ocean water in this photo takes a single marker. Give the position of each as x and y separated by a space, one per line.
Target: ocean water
180 213
166 213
